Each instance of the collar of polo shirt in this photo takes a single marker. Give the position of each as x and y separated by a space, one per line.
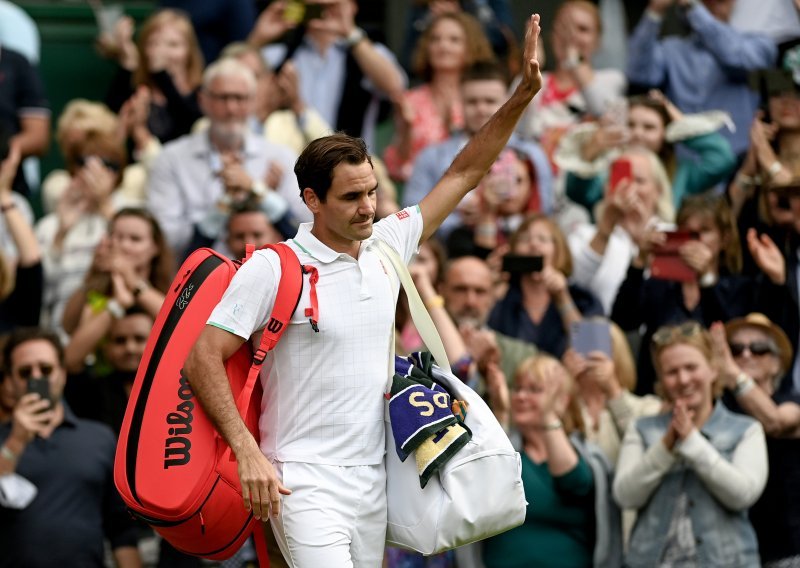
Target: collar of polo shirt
315 248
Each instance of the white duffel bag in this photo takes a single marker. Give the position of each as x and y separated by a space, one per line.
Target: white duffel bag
478 493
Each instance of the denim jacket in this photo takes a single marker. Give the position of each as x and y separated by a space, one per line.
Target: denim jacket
724 538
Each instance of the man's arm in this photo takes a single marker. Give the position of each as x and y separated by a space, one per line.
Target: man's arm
382 71
646 59
476 158
205 369
33 139
731 49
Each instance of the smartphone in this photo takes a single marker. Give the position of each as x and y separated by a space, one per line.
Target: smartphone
299 12
40 387
667 262
520 264
591 335
621 169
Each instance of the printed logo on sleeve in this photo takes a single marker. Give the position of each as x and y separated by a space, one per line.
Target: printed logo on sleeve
402 214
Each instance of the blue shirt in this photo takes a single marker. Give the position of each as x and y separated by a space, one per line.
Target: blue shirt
322 78
707 70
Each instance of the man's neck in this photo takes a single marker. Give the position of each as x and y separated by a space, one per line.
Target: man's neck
342 246
321 41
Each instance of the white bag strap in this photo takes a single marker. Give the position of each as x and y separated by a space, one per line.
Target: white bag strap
422 319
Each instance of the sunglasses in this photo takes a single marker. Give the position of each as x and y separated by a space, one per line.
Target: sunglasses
670 333
756 348
26 371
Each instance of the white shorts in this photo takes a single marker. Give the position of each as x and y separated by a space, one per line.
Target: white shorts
335 516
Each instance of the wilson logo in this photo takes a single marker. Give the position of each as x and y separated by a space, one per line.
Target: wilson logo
177 445
183 299
274 325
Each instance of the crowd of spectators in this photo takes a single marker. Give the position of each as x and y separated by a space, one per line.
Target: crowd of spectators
650 198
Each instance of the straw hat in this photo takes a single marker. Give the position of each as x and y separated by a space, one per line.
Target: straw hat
762 322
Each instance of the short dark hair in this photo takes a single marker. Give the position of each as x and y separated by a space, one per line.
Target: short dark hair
314 168
249 205
26 334
485 71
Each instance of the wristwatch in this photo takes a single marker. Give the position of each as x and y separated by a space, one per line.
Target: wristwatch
115 309
354 37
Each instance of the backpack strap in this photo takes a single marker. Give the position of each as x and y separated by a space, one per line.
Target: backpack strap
290 287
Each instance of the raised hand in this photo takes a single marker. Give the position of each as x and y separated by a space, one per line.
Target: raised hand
722 354
270 24
531 74
767 255
697 255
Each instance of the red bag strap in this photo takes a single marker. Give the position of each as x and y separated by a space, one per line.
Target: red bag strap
290 287
260 540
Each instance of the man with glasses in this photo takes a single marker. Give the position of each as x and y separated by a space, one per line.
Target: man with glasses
199 176
69 460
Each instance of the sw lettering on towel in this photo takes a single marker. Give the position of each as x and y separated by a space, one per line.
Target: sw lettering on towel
439 399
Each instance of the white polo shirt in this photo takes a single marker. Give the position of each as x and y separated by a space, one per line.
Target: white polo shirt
323 399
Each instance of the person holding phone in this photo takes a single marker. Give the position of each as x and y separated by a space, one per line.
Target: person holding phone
638 197
718 291
508 192
540 307
343 74
691 473
69 459
695 155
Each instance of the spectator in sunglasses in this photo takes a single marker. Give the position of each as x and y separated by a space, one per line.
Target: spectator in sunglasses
755 354
693 472
69 459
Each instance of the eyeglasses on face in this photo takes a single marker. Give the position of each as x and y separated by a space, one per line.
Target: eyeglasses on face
756 348
26 371
670 333
228 97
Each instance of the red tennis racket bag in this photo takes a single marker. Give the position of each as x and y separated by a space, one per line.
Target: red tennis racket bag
172 468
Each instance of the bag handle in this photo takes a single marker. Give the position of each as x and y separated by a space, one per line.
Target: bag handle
419 314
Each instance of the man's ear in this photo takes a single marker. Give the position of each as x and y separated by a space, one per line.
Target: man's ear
311 199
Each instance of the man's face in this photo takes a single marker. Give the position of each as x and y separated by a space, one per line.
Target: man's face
349 209
251 227
35 360
227 101
126 342
481 99
467 291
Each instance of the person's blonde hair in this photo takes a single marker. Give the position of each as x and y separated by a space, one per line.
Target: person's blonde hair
689 333
87 116
160 19
533 367
477 44
665 208
624 364
562 259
